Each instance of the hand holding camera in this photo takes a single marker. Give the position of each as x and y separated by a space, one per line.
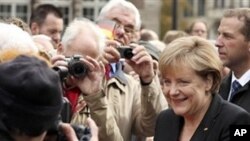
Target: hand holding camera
125 52
136 56
84 72
69 132
142 63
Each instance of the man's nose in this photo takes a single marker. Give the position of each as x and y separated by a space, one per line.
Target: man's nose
120 31
218 42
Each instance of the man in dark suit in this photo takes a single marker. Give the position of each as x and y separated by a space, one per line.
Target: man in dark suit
233 44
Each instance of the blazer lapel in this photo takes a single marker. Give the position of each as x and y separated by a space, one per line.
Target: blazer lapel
208 121
174 126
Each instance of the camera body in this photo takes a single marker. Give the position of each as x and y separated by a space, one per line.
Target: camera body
125 52
76 68
83 133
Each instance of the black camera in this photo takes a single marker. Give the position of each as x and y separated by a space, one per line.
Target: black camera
83 133
125 52
76 68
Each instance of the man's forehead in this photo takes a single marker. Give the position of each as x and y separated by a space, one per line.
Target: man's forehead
231 22
125 16
84 44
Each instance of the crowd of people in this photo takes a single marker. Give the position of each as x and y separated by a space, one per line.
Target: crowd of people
122 83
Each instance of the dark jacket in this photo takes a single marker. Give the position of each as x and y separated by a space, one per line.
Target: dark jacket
4 135
213 127
241 98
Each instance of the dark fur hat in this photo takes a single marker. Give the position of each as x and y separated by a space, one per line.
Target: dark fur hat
30 95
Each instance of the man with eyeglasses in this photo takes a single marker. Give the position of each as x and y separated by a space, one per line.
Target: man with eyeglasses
127 106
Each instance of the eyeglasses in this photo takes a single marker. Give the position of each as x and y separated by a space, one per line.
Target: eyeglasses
128 29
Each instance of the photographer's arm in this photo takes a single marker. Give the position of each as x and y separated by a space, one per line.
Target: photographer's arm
102 115
152 101
149 104
92 89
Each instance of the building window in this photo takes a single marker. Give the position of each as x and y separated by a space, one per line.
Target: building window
188 9
91 9
201 7
97 0
5 11
88 13
219 4
21 12
244 3
65 13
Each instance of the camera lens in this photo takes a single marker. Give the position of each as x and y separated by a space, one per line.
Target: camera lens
128 53
77 68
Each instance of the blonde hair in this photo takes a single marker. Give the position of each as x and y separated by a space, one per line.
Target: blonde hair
195 52
10 54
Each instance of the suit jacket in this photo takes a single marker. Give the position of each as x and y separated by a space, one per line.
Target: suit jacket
213 127
241 98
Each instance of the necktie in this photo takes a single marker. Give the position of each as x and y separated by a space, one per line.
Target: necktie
235 87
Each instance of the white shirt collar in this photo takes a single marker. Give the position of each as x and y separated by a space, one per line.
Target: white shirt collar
243 79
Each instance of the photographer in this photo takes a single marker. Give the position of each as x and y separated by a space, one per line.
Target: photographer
30 92
119 105
141 114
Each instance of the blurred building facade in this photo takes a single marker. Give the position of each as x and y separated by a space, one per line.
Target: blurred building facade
150 9
209 10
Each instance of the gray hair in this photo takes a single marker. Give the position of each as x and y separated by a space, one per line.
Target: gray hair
80 25
13 37
121 4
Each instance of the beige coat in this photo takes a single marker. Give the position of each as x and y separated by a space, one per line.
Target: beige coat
125 107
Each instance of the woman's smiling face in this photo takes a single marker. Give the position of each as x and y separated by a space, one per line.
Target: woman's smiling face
186 92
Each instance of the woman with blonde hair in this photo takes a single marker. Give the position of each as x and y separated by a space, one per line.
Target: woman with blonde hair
191 73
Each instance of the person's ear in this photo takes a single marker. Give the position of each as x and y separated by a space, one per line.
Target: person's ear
209 82
34 27
155 65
